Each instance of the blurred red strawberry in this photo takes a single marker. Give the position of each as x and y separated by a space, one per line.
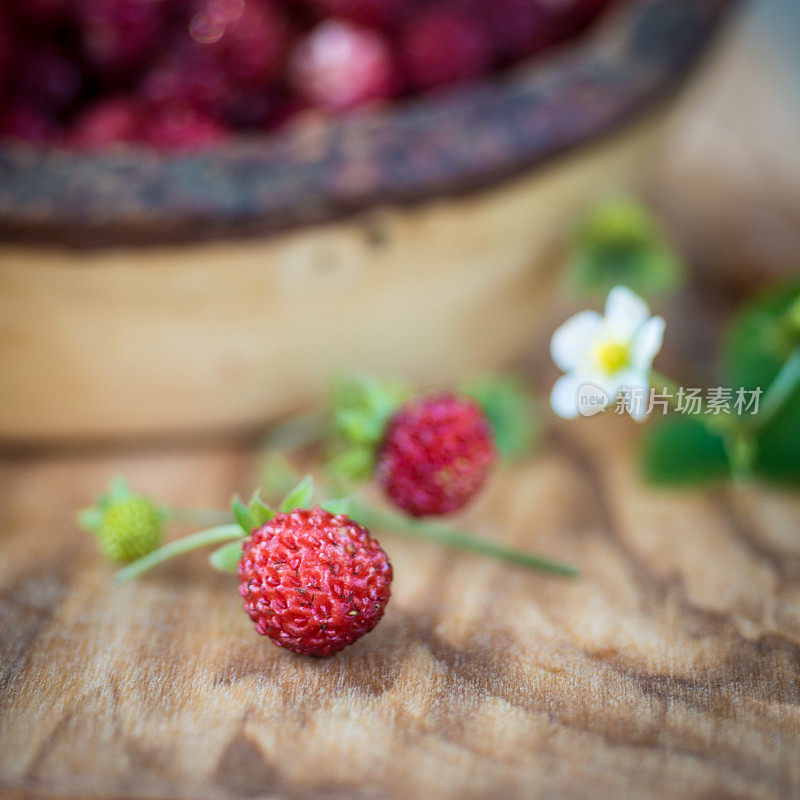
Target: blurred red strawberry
443 44
119 36
340 66
107 122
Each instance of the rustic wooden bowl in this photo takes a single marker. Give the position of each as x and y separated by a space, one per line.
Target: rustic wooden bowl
143 294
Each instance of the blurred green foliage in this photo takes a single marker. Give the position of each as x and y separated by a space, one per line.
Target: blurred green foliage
684 450
620 242
360 408
510 410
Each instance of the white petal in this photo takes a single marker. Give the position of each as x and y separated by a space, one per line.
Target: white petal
573 340
647 342
626 312
564 397
611 384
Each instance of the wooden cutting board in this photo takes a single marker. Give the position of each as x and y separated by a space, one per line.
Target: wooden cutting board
670 669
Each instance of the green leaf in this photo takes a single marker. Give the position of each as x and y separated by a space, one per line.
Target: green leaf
352 465
260 512
681 451
241 513
759 341
761 337
118 489
90 519
360 408
792 318
620 242
338 506
357 427
227 557
299 497
510 410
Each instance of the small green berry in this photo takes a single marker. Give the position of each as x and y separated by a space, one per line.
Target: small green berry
131 528
127 525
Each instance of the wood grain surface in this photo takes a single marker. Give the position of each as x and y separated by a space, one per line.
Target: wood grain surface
670 669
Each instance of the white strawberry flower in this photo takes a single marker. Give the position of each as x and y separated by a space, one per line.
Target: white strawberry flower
604 356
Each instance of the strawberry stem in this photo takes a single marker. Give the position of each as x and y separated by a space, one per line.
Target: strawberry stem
197 516
221 533
365 514
452 537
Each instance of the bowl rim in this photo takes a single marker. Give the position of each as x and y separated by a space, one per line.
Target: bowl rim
449 142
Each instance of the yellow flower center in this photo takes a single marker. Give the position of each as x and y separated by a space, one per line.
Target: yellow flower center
611 356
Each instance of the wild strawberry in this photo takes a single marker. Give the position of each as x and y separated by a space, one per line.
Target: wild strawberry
436 454
119 35
247 38
131 529
183 129
340 66
314 582
442 44
255 108
5 46
45 80
105 123
521 28
127 525
38 14
377 13
186 76
431 453
26 124
576 15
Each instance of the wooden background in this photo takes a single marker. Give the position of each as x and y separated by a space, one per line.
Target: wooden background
670 669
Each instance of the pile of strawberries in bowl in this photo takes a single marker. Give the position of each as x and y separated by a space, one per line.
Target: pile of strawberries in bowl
188 74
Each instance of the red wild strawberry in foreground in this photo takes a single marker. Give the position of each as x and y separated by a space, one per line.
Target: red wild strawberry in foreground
436 455
313 581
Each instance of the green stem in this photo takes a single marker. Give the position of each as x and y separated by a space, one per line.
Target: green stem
295 432
369 516
778 392
451 537
740 451
222 533
737 444
738 435
197 517
740 440
659 381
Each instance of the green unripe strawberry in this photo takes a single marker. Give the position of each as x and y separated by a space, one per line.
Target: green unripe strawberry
131 528
127 525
